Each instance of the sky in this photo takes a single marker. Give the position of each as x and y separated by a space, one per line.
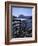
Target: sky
24 11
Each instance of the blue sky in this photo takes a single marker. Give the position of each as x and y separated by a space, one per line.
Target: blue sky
24 11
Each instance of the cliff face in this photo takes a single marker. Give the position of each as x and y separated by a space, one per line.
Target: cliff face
21 28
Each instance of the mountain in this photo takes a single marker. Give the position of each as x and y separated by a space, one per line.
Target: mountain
27 17
14 17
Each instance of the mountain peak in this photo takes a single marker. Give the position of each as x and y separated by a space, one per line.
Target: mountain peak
27 17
